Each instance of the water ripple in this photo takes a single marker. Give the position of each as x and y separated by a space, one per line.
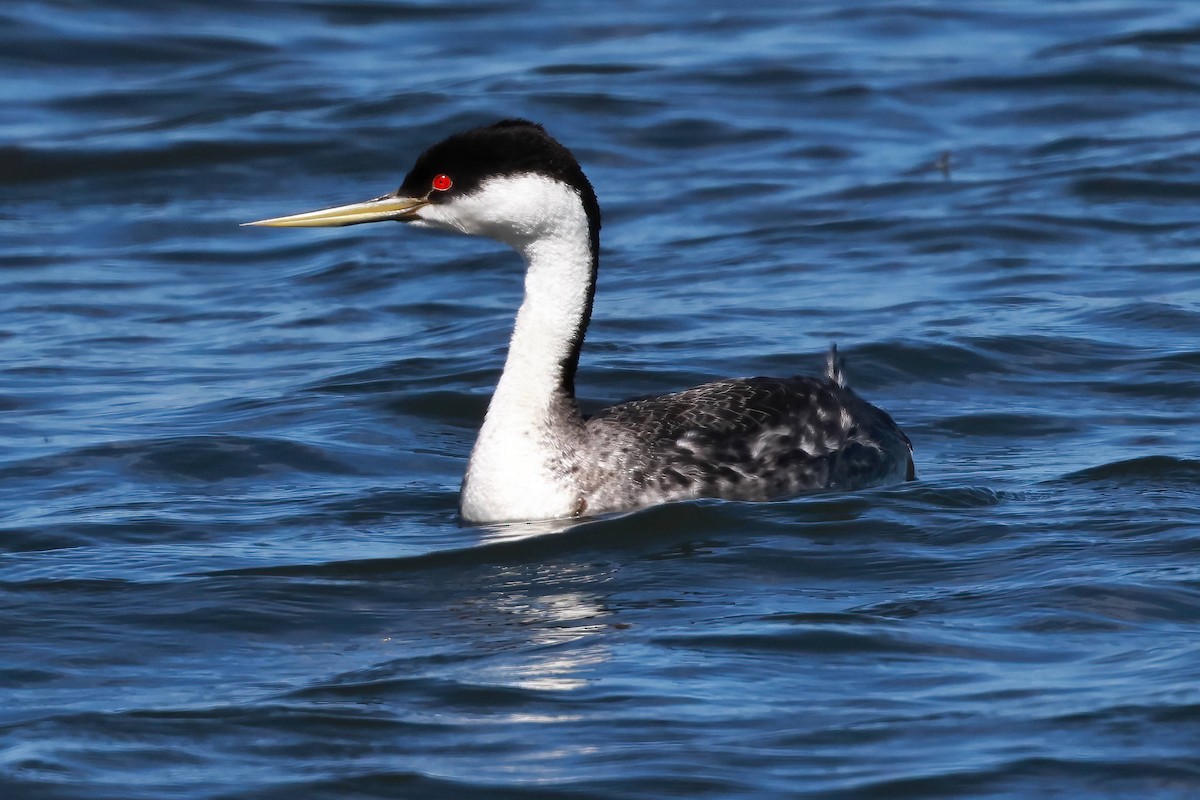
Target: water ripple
230 559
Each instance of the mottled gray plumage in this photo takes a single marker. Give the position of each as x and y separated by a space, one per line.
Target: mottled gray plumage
744 439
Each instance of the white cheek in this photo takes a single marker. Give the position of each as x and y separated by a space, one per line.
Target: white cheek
514 209
435 217
419 222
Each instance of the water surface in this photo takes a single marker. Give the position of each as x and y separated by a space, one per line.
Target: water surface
230 562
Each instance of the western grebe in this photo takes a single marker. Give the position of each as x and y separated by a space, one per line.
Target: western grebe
536 456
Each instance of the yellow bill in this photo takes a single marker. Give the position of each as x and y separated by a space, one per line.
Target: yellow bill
388 207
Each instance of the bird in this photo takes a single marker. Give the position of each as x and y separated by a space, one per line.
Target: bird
537 456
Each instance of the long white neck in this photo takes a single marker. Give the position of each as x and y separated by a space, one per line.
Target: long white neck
520 467
548 327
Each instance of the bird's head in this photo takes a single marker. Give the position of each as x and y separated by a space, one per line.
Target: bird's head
510 181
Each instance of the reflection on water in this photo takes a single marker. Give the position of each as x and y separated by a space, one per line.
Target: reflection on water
230 559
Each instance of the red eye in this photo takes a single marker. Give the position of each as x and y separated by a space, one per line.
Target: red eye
442 182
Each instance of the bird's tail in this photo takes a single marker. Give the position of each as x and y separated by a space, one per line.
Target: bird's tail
833 366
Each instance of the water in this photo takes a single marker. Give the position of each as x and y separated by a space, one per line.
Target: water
230 457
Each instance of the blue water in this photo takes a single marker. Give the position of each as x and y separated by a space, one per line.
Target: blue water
230 563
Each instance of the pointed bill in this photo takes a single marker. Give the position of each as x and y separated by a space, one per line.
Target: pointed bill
388 207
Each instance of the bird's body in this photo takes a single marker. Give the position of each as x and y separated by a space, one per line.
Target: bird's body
536 456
